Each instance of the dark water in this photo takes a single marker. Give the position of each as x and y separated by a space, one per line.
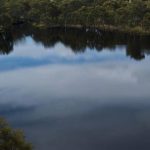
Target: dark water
75 89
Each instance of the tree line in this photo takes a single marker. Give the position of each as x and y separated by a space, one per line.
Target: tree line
120 14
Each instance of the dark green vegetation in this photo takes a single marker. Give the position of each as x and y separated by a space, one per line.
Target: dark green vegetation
124 15
12 139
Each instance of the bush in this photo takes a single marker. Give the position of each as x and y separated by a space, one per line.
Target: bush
11 139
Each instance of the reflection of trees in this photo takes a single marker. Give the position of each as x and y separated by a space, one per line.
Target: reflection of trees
79 39
134 49
6 43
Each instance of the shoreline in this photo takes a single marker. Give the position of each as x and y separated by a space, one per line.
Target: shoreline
108 28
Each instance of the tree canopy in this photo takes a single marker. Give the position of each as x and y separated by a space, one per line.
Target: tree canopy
11 139
123 14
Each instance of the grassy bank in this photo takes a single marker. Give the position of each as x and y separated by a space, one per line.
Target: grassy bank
109 28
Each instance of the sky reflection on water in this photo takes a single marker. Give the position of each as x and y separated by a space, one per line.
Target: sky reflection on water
85 101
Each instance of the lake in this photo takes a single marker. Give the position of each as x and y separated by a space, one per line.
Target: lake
73 89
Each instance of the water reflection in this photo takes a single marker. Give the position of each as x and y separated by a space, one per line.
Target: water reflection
6 43
68 95
78 40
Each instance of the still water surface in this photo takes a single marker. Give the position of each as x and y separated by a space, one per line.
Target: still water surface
77 90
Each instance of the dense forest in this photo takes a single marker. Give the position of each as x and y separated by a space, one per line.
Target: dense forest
126 15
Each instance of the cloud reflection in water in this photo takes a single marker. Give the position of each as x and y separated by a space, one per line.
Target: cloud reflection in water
74 101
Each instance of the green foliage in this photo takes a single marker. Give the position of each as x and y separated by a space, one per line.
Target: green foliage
12 139
124 13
